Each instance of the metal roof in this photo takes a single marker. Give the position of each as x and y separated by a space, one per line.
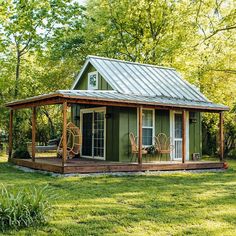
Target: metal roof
137 84
151 100
143 79
112 96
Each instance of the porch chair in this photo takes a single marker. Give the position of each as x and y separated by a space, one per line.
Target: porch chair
74 141
134 147
163 144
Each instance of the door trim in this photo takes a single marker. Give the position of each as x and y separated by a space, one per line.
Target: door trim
172 133
91 110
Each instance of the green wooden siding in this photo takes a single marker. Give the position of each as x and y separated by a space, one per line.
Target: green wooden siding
162 122
122 121
112 134
127 124
162 125
83 82
195 135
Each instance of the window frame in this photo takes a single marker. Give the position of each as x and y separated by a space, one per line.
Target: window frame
89 86
148 127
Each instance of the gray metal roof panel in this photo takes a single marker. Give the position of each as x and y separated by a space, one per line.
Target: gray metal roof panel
143 79
114 95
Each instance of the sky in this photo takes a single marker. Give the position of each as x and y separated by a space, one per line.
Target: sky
82 2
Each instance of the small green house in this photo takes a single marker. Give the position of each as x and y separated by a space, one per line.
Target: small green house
112 99
106 129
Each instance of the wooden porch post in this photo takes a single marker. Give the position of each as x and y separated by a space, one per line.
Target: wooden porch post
221 132
140 134
64 143
183 136
33 132
10 134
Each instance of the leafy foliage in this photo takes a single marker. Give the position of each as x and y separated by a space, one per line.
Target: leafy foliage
48 41
23 209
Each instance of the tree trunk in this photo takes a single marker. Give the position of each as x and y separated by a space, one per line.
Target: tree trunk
52 128
17 73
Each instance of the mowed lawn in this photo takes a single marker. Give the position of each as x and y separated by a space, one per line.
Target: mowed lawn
164 204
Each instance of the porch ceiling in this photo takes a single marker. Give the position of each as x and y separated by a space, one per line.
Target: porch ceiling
113 98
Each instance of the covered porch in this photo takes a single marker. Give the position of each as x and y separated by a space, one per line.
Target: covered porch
86 165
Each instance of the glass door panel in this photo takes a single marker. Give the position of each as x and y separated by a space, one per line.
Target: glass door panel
87 134
98 148
178 135
93 141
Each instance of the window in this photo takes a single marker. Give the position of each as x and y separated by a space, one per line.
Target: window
148 127
93 80
178 125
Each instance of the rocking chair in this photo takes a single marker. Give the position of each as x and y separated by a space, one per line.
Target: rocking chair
74 141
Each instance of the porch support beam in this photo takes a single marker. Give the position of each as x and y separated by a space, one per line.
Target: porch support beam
10 134
33 132
140 134
64 141
221 132
183 136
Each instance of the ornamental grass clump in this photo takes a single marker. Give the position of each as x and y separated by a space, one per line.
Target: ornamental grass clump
27 207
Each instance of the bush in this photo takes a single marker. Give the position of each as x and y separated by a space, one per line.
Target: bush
21 153
232 154
23 209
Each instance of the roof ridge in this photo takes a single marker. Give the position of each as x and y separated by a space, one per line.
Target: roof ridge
130 62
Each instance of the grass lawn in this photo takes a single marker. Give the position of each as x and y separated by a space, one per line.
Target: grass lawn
165 204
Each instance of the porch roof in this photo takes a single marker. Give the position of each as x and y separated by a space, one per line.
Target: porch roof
114 98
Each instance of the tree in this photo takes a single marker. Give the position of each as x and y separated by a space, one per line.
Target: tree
28 24
196 37
26 28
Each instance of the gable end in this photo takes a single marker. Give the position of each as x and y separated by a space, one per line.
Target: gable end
81 83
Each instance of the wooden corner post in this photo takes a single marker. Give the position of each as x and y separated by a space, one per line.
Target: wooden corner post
221 131
10 135
183 136
140 134
33 132
64 138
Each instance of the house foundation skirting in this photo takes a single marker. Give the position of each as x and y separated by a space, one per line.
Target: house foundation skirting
84 166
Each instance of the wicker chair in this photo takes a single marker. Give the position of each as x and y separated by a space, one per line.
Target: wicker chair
163 144
74 141
134 147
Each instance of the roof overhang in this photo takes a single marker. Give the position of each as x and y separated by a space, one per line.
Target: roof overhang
60 97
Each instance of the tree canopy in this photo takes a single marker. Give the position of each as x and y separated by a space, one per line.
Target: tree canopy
44 44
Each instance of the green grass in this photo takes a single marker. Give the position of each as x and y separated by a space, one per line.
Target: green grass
165 204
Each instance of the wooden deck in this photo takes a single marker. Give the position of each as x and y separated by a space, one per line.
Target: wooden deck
81 165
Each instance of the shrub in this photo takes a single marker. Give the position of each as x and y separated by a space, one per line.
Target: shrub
24 208
21 153
232 154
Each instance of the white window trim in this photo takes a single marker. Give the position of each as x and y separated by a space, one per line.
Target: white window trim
172 133
89 86
91 110
153 128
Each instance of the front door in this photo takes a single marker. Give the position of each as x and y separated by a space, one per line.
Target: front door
93 132
178 136
176 127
